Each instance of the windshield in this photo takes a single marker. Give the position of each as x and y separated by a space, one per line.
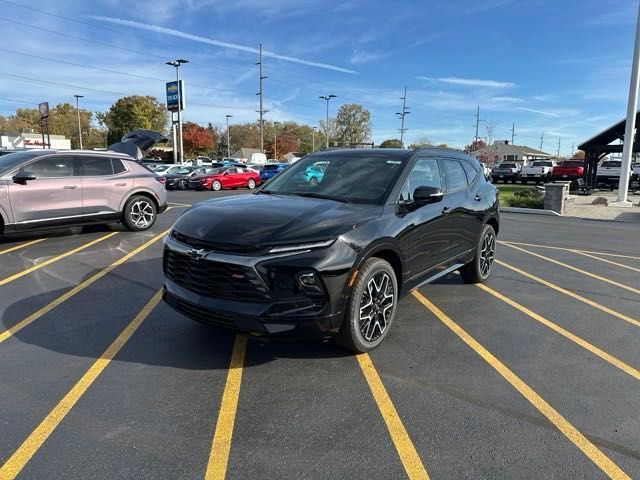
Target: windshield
9 162
572 164
348 178
612 163
184 171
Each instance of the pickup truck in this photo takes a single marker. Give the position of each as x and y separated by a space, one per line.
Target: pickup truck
609 173
506 172
538 171
568 170
635 176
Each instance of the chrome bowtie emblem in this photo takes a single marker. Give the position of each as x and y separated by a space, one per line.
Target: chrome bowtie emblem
198 254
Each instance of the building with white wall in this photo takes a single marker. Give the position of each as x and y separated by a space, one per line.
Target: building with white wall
21 140
503 151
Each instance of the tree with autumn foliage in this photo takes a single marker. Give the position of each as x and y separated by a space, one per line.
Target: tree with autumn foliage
197 140
287 142
475 145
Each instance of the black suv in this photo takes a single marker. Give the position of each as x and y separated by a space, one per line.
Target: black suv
331 257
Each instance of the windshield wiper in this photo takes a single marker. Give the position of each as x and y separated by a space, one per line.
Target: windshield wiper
319 195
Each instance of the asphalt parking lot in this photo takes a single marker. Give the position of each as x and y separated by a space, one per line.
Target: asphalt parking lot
534 375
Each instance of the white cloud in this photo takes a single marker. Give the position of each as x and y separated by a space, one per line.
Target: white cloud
470 82
217 43
360 56
540 112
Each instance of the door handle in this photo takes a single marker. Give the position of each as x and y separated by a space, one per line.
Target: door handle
446 210
121 184
70 187
478 197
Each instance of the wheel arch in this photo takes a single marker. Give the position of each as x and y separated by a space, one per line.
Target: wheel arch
385 250
143 193
493 221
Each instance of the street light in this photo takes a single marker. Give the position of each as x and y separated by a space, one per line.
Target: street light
327 98
313 139
176 63
228 137
78 97
275 140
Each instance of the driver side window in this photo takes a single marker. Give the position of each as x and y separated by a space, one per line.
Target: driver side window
424 173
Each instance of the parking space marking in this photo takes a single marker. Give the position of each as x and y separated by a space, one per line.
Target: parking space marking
221 444
619 255
78 288
408 455
174 204
575 269
621 265
17 461
22 245
610 359
55 259
572 433
571 294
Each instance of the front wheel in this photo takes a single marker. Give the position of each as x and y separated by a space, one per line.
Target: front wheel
251 184
372 307
139 213
479 269
183 185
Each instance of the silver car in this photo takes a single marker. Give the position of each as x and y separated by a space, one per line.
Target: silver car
42 189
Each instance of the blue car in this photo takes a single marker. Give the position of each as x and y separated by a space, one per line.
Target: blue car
271 170
314 174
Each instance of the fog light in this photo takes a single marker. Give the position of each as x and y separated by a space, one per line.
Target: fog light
308 279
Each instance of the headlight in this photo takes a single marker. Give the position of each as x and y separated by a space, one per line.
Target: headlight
301 246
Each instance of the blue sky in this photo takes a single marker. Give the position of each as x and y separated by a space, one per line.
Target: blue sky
561 67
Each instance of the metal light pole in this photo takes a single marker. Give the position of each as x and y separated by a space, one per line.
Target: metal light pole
228 137
327 98
275 140
261 111
629 141
78 97
313 138
176 63
401 115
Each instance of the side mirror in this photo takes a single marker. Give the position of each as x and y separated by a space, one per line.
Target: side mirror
426 195
23 177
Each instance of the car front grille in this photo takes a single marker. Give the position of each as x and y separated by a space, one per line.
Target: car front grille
217 247
215 279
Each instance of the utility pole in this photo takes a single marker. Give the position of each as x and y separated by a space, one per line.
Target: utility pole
313 138
228 137
573 149
629 138
262 111
327 98
541 141
78 97
477 124
275 140
403 114
558 155
513 133
178 144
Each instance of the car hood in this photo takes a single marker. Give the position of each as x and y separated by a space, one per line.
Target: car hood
263 220
171 176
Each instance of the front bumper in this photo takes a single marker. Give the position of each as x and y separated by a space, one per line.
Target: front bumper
236 291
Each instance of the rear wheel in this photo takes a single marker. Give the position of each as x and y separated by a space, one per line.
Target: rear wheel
372 307
479 269
139 213
216 186
251 184
183 185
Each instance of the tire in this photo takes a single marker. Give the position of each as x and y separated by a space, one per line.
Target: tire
479 269
376 287
139 213
182 185
216 186
251 184
523 181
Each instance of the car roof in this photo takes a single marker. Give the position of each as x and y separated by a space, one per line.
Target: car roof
47 151
397 153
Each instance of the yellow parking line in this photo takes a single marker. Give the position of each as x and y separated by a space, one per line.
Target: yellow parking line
221 444
571 294
575 269
22 245
610 359
29 270
78 288
16 462
619 255
621 265
578 439
408 455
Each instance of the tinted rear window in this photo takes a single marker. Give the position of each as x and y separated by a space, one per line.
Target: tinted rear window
118 166
572 163
507 165
542 164
95 166
612 163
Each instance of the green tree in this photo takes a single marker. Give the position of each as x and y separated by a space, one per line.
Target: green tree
130 113
393 143
422 142
353 124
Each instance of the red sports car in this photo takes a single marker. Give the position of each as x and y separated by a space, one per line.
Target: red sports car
226 177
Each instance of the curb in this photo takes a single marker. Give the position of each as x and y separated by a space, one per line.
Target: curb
530 211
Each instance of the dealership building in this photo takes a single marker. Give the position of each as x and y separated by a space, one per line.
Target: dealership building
10 141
